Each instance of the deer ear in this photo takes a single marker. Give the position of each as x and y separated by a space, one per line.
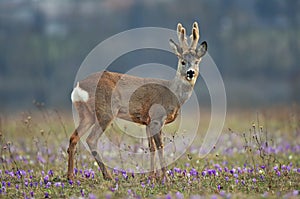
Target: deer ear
202 49
176 49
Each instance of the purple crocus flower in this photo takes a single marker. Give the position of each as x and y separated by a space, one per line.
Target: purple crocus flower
168 196
254 180
50 172
193 172
179 195
232 171
46 179
177 170
92 196
75 171
48 185
46 195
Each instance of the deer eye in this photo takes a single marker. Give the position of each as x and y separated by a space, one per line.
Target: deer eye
183 63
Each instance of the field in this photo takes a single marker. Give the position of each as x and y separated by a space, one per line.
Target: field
257 156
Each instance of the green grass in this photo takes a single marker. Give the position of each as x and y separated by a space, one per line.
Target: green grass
34 161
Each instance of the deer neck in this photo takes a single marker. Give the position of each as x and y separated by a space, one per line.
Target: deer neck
181 87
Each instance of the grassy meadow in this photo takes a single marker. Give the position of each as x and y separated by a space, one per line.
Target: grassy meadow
256 156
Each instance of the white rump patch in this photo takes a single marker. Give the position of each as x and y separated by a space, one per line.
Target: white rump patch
79 95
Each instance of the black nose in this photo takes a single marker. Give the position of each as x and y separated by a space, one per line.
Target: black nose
190 74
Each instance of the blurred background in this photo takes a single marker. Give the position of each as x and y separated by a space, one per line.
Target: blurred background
255 45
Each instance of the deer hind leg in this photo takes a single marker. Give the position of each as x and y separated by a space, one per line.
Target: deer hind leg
92 141
86 120
160 147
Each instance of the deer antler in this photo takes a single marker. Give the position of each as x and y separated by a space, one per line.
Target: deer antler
195 36
182 37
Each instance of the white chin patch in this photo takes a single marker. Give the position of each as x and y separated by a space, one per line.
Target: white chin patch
79 95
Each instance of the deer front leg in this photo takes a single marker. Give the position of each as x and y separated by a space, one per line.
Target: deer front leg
92 141
155 127
152 149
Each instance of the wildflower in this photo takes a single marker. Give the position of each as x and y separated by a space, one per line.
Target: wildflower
177 170
219 187
31 194
203 173
92 196
115 171
82 192
113 189
226 178
46 179
8 184
179 195
125 176
235 175
26 183
75 171
211 172
214 197
46 195
295 192
254 180
50 172
71 182
278 173
226 169
194 172
48 185
87 173
78 183
57 184
168 196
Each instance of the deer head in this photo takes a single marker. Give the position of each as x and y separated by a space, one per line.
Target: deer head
189 56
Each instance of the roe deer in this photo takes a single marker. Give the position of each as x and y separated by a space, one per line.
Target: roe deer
103 96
